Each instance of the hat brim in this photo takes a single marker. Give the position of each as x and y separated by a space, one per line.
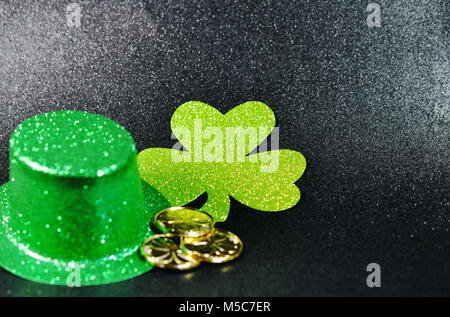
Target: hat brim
20 260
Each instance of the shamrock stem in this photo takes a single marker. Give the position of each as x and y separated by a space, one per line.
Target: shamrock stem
217 205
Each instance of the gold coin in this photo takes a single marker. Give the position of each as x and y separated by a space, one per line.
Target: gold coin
217 247
163 250
183 221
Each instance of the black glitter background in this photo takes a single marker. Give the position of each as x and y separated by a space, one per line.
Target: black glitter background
368 107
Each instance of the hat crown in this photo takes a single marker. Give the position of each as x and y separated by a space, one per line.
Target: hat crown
72 143
69 199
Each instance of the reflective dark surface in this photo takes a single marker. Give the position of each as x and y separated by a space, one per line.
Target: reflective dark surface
367 107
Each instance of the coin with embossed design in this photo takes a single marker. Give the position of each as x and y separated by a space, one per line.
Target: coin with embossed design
163 250
183 221
217 247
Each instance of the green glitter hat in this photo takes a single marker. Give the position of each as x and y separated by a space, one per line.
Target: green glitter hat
75 211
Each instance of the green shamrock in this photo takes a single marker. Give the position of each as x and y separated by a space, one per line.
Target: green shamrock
213 157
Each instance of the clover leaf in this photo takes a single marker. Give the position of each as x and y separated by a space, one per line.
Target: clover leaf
216 155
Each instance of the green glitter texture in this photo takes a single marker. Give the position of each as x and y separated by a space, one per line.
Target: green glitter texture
210 165
75 202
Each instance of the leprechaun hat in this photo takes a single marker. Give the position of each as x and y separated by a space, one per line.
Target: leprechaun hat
75 211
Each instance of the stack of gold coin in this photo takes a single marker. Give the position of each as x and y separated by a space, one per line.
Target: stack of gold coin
188 237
